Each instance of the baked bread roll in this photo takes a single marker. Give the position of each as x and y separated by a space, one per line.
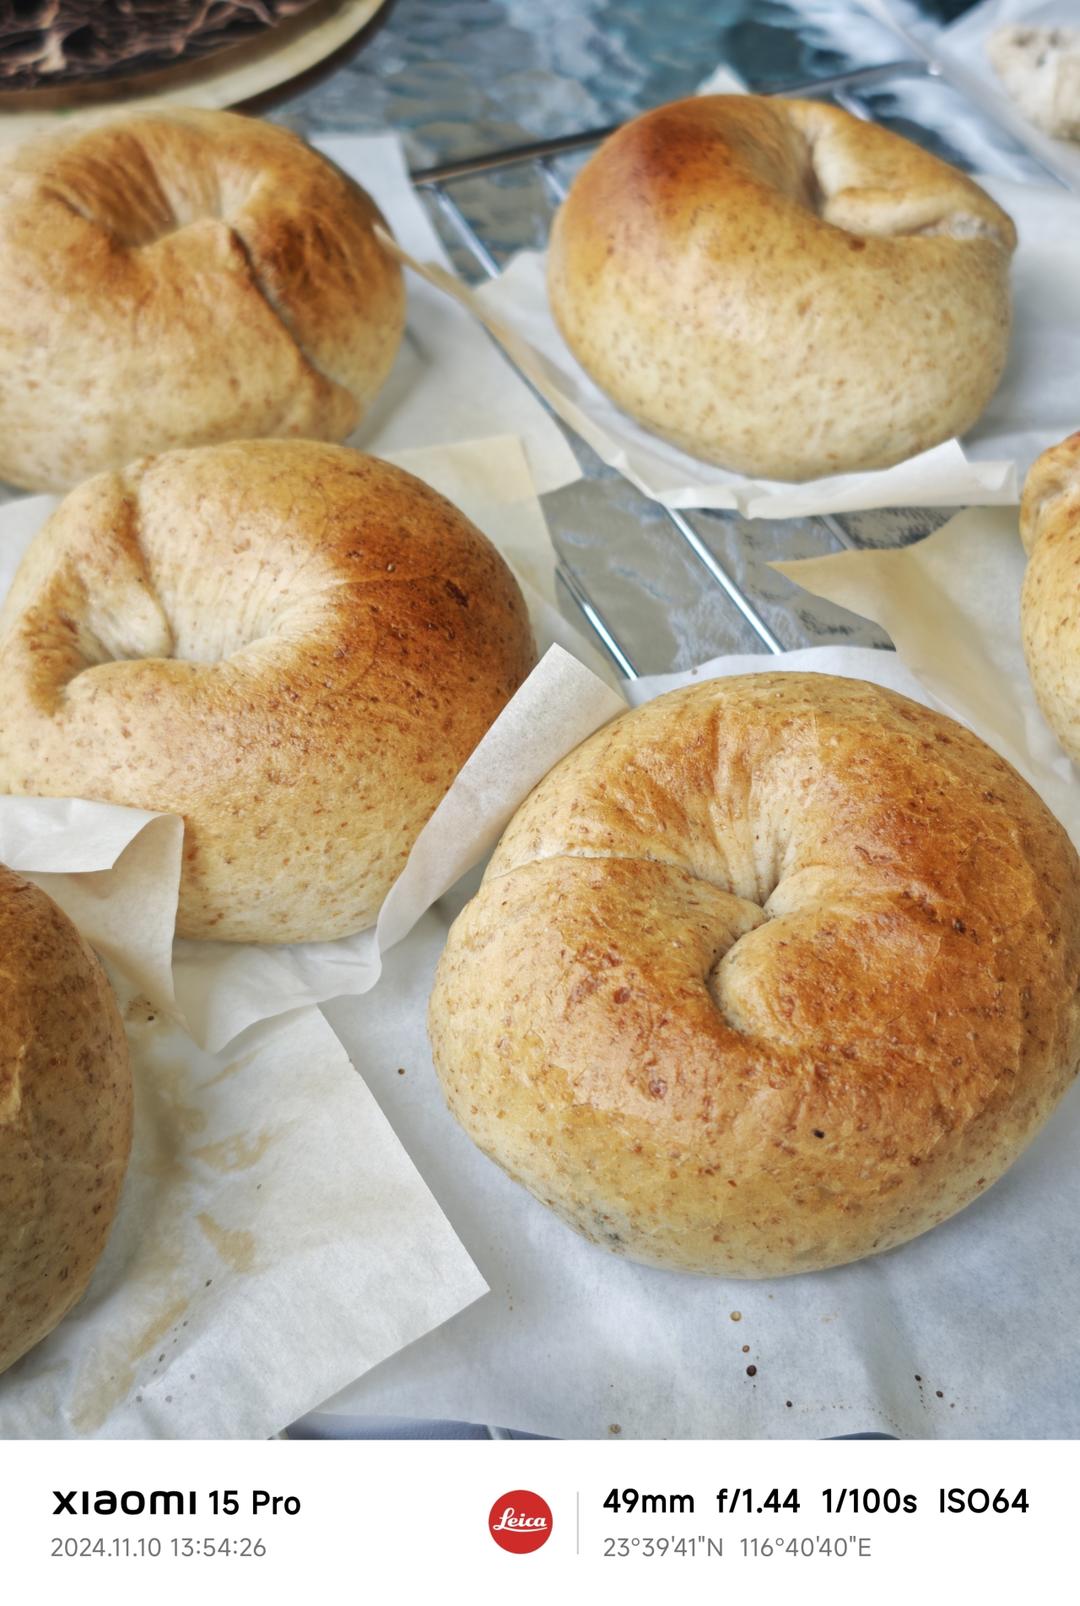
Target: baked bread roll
292 645
1040 69
1050 599
65 1115
178 278
768 975
780 288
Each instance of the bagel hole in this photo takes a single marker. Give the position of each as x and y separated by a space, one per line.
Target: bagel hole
137 198
812 191
795 892
196 641
853 200
211 616
151 628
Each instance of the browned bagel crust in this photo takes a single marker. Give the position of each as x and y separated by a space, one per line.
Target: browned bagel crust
293 645
1050 600
780 288
177 278
770 974
65 1115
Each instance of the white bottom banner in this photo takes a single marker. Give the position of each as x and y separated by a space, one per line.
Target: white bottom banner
837 1520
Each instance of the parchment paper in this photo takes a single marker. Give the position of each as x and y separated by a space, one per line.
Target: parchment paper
1033 405
273 1238
115 872
217 990
967 1332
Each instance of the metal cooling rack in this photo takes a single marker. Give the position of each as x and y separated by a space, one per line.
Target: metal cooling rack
745 605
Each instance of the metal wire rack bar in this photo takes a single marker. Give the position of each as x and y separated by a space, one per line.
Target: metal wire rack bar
566 144
542 155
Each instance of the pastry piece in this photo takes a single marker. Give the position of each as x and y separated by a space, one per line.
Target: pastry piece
1040 69
780 288
292 645
770 974
179 278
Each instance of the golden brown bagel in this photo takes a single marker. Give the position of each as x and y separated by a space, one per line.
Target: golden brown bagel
1050 600
181 277
780 288
65 1115
770 974
293 645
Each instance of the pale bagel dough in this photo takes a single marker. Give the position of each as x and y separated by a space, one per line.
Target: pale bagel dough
1050 600
1040 68
65 1115
181 277
292 645
780 288
770 974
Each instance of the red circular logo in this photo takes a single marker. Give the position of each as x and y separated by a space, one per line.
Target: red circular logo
520 1521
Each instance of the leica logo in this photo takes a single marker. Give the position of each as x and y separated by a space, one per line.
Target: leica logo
520 1521
511 1519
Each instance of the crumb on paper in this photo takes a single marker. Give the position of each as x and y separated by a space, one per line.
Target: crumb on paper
140 1011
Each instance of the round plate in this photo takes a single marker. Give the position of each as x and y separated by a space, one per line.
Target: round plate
234 75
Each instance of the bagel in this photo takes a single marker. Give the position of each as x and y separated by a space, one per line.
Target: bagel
781 288
178 278
769 974
1040 69
65 1115
292 645
1049 611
